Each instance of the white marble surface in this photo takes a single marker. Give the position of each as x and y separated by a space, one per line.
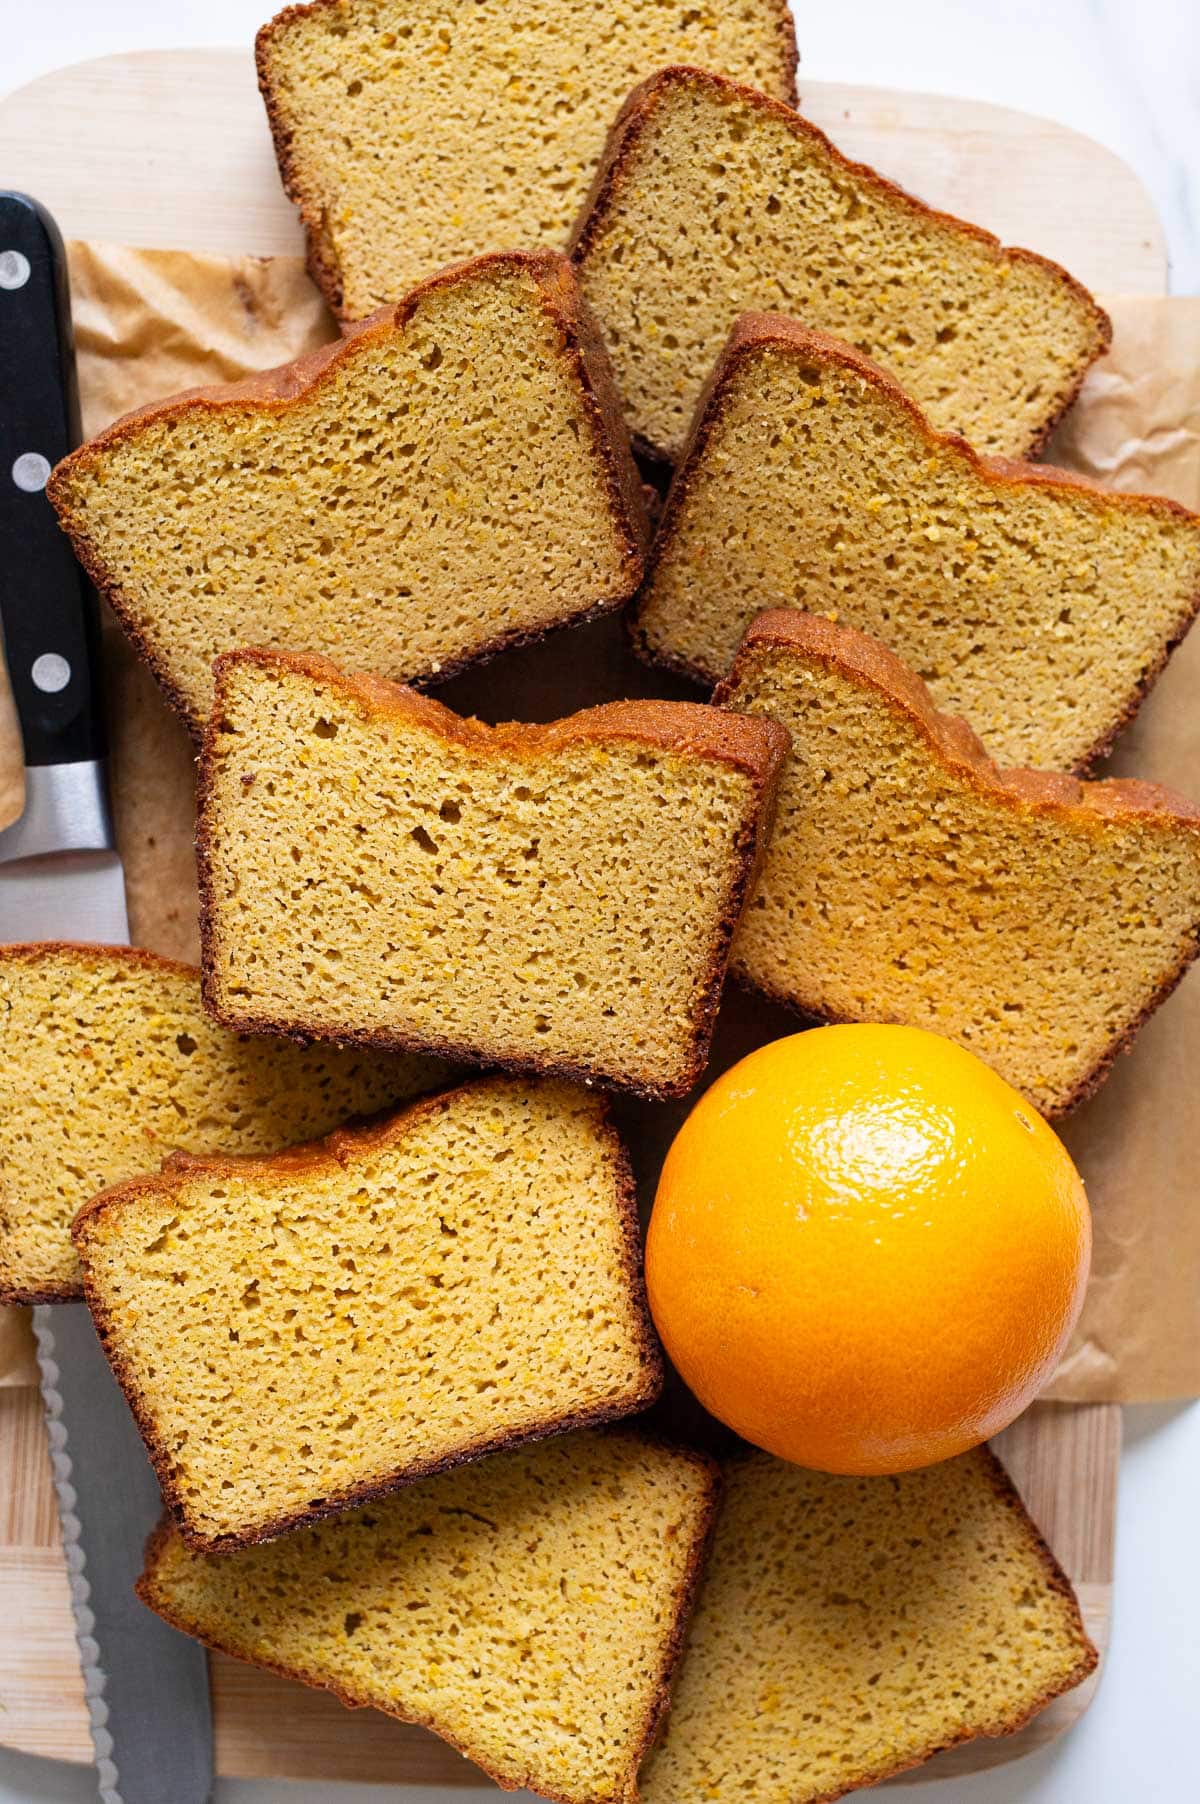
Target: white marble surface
1125 71
1128 73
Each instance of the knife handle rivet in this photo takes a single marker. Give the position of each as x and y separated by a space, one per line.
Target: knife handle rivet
31 472
50 673
14 269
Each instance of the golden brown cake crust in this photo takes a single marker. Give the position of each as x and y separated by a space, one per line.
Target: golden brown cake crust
316 1156
755 746
1081 805
323 270
870 662
29 1296
38 952
274 391
154 1599
755 332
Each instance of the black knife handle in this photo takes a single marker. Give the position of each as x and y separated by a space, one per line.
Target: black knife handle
47 607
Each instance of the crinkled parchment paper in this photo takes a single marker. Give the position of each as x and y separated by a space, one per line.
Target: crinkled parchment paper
1137 426
150 323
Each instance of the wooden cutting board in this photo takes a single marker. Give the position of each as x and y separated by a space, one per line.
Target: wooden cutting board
169 149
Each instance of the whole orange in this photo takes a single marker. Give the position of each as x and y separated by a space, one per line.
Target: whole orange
867 1251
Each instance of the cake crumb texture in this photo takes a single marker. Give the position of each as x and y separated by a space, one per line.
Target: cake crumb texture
1036 604
554 897
848 1628
1034 919
108 1063
714 200
384 499
300 1332
526 1608
369 103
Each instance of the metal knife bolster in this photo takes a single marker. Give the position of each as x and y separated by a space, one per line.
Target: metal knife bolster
60 874
66 810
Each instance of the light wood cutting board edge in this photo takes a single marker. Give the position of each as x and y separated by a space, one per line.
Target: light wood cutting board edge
168 149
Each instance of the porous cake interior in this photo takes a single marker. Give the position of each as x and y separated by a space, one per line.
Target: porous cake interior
558 903
374 94
1035 611
849 1627
299 1331
438 489
524 1607
108 1063
722 207
898 888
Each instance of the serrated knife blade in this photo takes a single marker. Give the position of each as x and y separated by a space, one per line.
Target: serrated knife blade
61 878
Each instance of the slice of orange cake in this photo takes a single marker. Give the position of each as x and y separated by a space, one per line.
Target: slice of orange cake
560 898
1036 603
849 1628
1035 919
384 499
527 1608
714 198
297 1333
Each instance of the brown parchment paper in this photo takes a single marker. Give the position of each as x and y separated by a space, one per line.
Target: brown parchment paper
1137 1142
149 323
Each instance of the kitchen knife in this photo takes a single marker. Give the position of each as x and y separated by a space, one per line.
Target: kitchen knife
61 878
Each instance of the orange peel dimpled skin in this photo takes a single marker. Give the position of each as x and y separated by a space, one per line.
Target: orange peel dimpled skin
867 1251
